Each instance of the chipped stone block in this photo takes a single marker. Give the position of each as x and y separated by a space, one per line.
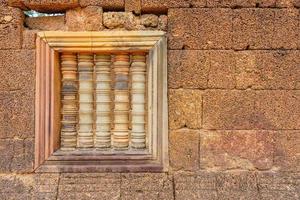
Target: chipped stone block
265 28
149 20
268 69
84 19
46 23
163 22
185 109
11 25
184 150
133 6
121 20
287 151
251 110
200 28
227 150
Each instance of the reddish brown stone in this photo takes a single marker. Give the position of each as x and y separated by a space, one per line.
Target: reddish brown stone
200 28
29 37
45 5
121 20
84 19
184 150
149 20
106 4
227 150
47 23
11 25
268 69
185 107
17 70
287 151
241 3
201 69
163 22
265 28
133 6
251 110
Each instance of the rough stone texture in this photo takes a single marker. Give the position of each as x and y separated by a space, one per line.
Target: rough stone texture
228 150
146 186
133 6
201 69
84 19
46 23
121 20
287 151
16 187
268 69
29 37
163 23
106 4
149 20
200 28
11 25
266 29
45 5
251 110
46 186
184 144
185 107
17 155
279 186
17 70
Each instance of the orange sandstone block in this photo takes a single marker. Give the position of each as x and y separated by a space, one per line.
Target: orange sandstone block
200 28
106 4
185 109
184 150
46 23
133 6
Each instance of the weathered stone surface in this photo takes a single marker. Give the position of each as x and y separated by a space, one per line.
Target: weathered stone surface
84 19
17 70
121 20
149 20
287 151
185 109
266 29
106 4
195 186
184 150
268 69
16 186
46 23
279 186
17 112
163 22
251 110
11 25
46 186
200 28
45 5
89 186
201 69
245 150
17 155
241 3
133 6
29 37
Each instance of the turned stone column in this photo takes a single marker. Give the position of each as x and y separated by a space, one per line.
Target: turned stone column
69 101
86 105
103 100
138 86
121 102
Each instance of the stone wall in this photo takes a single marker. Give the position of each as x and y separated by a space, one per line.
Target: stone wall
234 98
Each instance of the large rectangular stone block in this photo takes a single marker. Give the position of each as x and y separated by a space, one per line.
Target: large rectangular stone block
231 110
17 70
242 150
11 25
268 69
184 150
266 29
185 108
200 28
201 69
106 4
46 23
241 3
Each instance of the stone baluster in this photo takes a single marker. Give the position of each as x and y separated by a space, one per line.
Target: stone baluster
103 101
138 87
69 101
86 105
121 102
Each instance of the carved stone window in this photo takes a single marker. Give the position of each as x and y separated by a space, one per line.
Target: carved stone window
101 101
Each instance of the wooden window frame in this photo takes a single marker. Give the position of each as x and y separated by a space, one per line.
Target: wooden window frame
47 105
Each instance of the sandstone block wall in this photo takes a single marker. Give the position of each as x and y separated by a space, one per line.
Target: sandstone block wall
234 98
